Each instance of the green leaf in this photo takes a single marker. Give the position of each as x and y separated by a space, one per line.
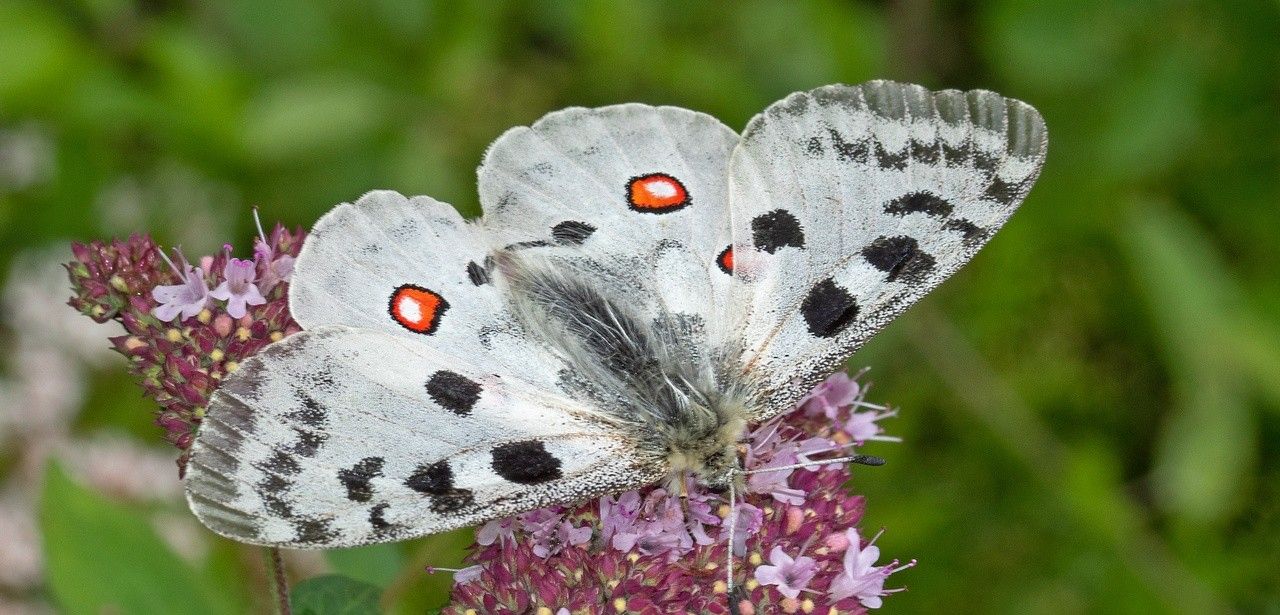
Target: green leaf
105 558
376 564
334 594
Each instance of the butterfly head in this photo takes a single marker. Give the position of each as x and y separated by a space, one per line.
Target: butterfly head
709 451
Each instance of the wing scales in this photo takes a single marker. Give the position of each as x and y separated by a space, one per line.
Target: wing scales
297 452
851 202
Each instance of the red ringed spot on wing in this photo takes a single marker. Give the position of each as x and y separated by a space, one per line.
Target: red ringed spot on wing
417 309
725 260
656 193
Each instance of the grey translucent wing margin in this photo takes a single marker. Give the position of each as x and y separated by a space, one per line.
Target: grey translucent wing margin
339 437
850 203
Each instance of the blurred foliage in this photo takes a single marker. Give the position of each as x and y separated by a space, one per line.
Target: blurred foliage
102 558
334 594
1089 408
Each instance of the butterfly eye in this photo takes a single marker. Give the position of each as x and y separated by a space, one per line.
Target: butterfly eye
417 309
657 193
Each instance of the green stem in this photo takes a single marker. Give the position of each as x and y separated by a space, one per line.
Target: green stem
278 581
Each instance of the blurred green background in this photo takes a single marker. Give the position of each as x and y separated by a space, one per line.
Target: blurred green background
1090 409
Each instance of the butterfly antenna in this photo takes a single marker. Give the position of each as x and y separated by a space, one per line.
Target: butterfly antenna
866 460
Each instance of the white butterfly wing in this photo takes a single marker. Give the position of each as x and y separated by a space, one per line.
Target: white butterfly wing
850 203
415 269
338 436
639 191
412 404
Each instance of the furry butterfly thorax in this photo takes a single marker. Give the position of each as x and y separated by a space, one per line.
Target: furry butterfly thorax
644 284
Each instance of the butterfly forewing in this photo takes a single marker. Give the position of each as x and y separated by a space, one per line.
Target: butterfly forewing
638 192
340 436
849 203
413 268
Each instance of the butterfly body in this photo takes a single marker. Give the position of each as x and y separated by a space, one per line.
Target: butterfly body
644 284
685 410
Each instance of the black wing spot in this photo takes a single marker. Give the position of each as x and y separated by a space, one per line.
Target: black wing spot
526 463
308 442
972 233
891 160
846 151
900 257
985 161
572 232
813 147
924 152
477 274
522 245
358 478
1003 192
776 229
312 412
313 530
828 309
270 490
281 463
378 519
453 391
433 479
436 480
919 202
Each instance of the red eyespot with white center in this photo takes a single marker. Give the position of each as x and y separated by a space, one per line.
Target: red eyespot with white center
656 193
417 309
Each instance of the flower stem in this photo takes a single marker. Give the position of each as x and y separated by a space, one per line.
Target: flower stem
278 581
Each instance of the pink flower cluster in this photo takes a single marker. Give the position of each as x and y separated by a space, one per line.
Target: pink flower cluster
796 546
186 326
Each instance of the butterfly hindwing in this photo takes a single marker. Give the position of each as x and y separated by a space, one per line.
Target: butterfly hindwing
849 203
339 436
